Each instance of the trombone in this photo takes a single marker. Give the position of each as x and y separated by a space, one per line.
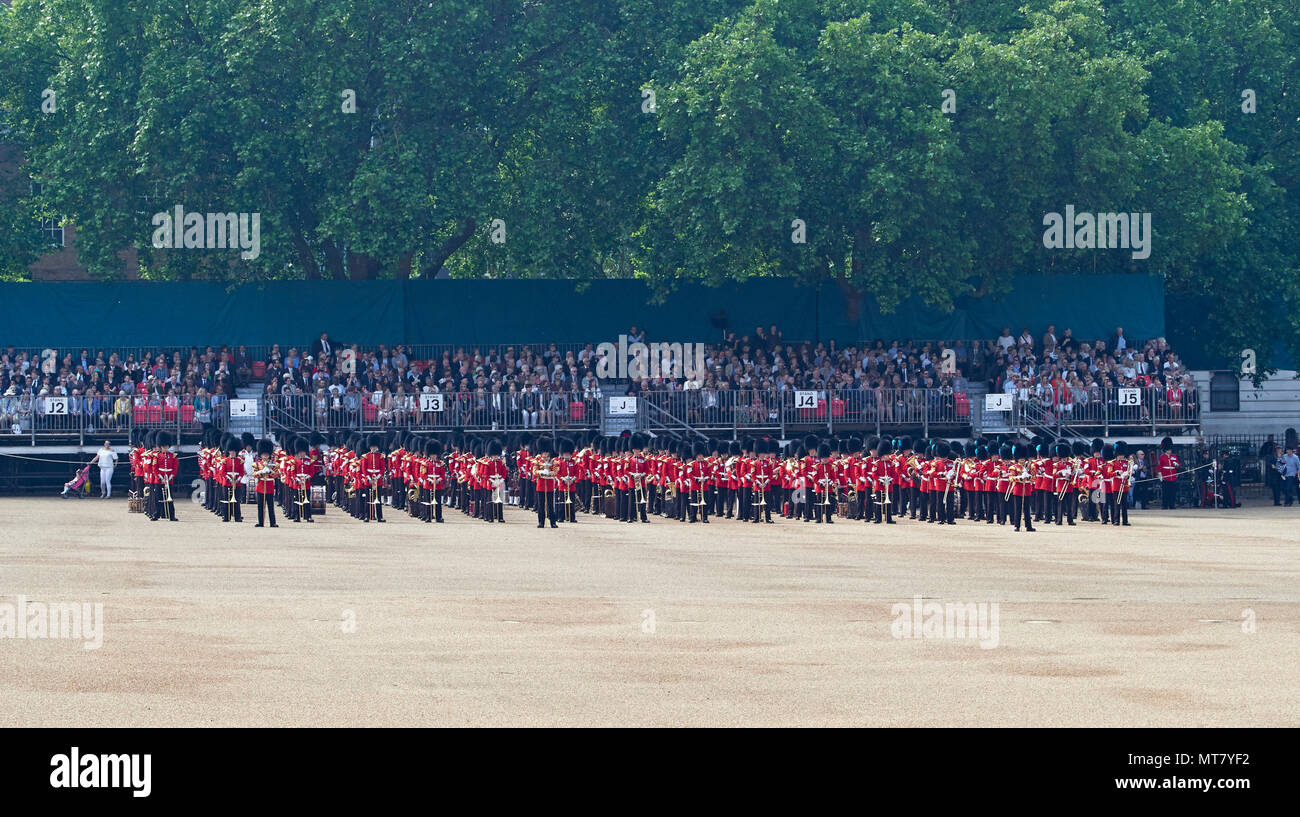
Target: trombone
1064 476
826 492
232 478
701 503
372 514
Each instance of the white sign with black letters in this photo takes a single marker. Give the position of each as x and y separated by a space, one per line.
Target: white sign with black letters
622 406
805 399
998 402
431 402
243 408
1130 397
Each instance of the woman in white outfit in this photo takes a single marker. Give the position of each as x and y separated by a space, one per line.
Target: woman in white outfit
107 459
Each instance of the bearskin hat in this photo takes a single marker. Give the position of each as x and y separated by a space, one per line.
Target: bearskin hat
265 447
1167 444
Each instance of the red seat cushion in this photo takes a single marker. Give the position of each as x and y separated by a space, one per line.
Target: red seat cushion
577 410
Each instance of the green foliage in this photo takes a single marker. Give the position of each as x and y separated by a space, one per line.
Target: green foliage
829 112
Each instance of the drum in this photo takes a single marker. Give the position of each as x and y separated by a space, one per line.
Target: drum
317 496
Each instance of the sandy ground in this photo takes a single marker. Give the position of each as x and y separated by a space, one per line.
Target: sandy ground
665 624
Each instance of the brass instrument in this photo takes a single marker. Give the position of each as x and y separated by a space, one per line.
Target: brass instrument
953 474
826 494
1069 472
885 492
701 503
1023 475
761 489
233 478
498 489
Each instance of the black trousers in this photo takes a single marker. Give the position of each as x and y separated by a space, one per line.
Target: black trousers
1168 494
545 504
230 511
265 508
1020 510
372 502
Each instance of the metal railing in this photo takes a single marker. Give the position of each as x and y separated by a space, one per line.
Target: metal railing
1138 411
468 411
1152 411
78 418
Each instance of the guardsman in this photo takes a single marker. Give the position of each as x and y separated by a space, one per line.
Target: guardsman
495 475
1123 482
374 470
148 458
397 473
230 473
1022 487
544 483
137 468
168 468
1062 500
1167 468
263 476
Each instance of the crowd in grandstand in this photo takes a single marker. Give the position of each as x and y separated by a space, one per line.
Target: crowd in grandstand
745 376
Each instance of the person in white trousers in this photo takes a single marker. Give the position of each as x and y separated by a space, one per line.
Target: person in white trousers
107 459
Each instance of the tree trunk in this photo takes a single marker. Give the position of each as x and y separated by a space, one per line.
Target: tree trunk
402 271
306 258
334 260
362 267
434 263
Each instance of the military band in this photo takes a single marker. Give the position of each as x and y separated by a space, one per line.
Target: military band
635 477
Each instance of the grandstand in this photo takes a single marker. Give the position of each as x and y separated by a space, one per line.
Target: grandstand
760 383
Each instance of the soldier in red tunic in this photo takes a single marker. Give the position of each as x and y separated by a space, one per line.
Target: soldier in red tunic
1167 467
374 470
544 484
263 475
